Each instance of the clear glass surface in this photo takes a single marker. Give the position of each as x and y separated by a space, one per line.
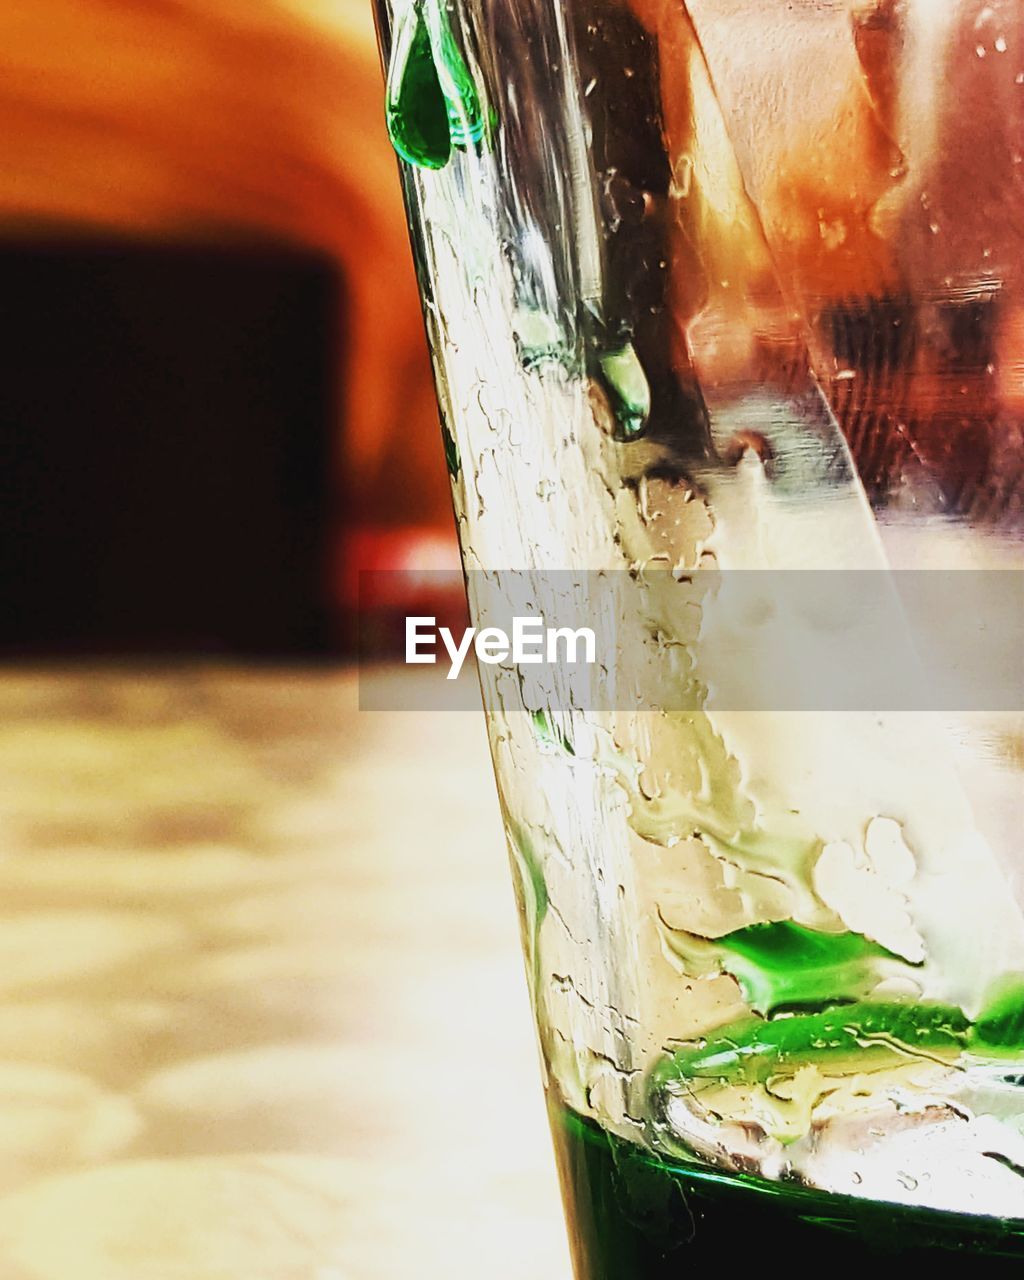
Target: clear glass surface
736 285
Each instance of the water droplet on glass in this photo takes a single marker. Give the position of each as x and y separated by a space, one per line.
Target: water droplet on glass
538 336
417 117
451 452
468 122
628 390
432 104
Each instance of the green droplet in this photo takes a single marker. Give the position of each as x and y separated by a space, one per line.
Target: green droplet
432 103
451 452
629 392
467 122
532 875
417 114
539 338
853 1037
999 1028
550 734
788 964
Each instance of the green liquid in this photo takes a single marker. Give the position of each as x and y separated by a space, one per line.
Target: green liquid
633 1216
753 1050
431 102
417 115
786 964
627 388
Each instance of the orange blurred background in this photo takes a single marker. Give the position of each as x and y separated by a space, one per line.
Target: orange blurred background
148 145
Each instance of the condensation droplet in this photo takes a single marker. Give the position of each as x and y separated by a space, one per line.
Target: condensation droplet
417 118
628 390
432 102
538 336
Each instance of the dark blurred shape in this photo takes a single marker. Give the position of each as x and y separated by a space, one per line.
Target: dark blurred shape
166 422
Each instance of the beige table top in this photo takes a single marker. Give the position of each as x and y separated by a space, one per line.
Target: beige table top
263 1011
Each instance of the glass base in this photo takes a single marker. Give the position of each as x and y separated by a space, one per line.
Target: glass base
633 1216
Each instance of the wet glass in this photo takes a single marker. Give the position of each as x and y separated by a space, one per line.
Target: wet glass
734 287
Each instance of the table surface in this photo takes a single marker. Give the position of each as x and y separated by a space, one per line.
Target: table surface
264 1015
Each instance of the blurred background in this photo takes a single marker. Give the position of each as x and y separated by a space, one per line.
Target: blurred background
262 1013
214 391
